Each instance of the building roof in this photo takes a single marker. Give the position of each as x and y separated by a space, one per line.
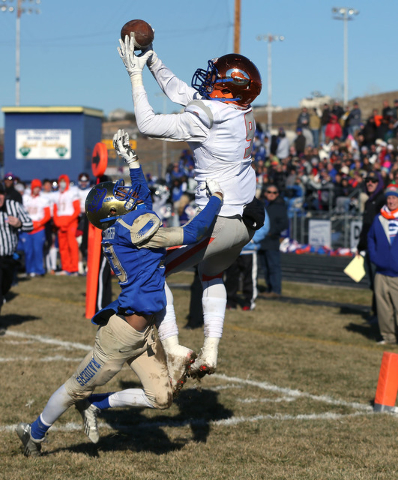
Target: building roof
94 112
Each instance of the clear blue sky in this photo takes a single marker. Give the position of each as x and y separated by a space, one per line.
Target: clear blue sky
69 57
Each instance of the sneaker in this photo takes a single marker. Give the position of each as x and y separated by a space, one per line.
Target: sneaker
31 448
89 413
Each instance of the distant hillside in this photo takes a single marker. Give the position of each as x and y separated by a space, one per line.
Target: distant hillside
288 117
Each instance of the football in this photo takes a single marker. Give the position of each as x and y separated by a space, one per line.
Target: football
143 33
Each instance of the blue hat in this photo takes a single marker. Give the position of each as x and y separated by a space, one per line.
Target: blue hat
391 190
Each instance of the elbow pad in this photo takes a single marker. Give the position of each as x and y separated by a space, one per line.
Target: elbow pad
197 228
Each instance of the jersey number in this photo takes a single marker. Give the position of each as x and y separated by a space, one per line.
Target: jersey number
115 264
249 122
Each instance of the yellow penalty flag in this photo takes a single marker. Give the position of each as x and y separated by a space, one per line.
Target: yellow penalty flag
355 268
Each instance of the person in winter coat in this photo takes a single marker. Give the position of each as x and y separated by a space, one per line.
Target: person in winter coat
269 253
383 252
376 199
333 129
66 214
38 208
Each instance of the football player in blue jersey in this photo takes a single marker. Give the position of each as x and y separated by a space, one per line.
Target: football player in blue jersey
135 245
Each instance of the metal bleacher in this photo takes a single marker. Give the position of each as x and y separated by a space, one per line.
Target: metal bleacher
320 269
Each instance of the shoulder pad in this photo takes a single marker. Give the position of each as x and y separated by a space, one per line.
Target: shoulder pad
198 108
143 227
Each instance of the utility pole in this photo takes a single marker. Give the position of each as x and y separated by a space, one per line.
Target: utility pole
237 27
20 10
269 39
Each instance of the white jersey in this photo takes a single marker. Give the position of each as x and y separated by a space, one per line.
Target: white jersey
220 136
35 206
51 197
65 202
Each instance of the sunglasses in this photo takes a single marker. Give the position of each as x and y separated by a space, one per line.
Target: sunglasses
371 181
274 192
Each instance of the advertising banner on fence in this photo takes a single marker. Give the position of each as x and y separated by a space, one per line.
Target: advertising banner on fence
320 233
356 227
43 144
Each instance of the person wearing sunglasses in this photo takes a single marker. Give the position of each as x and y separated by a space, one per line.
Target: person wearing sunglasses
269 254
374 187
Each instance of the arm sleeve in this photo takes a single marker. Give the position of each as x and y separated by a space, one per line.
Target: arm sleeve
22 214
76 209
137 178
174 88
177 127
190 233
44 220
260 234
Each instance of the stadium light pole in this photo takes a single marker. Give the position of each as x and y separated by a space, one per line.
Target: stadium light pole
345 14
269 39
20 9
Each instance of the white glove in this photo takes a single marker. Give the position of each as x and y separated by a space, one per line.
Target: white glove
212 187
122 146
152 59
134 63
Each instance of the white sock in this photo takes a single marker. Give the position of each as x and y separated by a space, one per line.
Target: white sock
214 302
132 397
166 323
58 403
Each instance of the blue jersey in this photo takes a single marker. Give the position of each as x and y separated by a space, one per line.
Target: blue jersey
140 272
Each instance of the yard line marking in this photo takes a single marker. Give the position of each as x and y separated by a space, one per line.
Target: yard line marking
294 393
227 422
49 340
262 385
266 400
56 358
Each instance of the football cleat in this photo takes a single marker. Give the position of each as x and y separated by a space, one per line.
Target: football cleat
89 413
179 361
206 363
31 448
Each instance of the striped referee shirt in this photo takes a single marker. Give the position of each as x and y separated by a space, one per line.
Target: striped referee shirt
9 234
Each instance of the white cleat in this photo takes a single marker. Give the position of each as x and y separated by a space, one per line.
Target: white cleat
206 363
179 360
89 413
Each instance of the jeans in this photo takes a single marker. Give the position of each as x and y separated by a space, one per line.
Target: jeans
271 263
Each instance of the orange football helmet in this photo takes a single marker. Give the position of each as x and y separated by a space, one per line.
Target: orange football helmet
231 78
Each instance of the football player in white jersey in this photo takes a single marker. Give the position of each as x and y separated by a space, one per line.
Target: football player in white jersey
218 124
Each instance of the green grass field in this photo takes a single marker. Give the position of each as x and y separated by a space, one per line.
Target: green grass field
291 398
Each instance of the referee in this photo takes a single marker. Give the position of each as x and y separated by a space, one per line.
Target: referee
13 217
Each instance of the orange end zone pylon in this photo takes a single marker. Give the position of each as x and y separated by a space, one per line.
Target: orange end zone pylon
387 386
93 264
98 166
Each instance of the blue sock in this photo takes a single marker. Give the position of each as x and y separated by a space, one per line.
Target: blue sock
100 400
38 429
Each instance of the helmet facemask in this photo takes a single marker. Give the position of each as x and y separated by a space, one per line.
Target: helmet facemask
232 78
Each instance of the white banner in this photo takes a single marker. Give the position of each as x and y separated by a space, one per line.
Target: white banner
43 144
320 233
